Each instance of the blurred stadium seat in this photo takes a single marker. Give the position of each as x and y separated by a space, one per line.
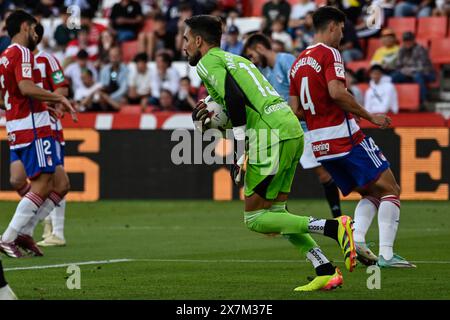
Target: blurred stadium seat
129 50
408 95
356 65
400 25
372 45
432 27
440 51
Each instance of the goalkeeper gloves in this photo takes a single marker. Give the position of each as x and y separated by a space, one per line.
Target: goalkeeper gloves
200 115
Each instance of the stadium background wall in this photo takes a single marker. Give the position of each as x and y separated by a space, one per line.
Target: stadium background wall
136 164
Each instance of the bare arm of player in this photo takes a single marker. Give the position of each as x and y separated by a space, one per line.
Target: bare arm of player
347 102
294 102
30 89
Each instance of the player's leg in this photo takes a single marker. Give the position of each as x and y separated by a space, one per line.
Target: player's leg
331 190
18 177
260 217
6 292
308 161
371 170
62 187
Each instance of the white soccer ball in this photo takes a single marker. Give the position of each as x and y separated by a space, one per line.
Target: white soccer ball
218 115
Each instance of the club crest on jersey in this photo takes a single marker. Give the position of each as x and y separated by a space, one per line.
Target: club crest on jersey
4 61
49 161
58 77
11 137
339 69
26 70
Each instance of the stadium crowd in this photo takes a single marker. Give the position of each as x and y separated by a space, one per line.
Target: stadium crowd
102 79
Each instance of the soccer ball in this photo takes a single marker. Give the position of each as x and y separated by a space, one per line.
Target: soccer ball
218 115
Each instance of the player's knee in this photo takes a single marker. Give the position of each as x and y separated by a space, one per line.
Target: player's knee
17 182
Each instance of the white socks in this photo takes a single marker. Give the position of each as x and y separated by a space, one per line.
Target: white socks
43 212
316 225
316 256
364 213
57 218
26 210
388 219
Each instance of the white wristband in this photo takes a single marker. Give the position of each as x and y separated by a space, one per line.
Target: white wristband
239 132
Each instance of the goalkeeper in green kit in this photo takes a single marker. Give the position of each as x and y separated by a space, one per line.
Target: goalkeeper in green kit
275 145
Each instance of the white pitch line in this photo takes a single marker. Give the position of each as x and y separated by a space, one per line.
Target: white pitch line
62 265
180 260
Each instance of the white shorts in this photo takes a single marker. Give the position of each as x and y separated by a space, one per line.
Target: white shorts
308 160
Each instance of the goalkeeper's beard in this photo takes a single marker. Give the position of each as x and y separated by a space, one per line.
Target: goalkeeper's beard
195 58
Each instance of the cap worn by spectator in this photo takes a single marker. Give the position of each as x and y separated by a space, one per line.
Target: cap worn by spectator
233 30
408 36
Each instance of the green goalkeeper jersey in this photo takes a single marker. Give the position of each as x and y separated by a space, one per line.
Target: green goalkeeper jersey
265 108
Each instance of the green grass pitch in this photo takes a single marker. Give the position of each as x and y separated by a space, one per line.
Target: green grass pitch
202 250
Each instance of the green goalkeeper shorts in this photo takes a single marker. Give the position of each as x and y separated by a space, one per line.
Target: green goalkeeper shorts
269 175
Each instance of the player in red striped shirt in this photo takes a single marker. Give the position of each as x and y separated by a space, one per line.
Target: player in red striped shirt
354 161
28 126
51 77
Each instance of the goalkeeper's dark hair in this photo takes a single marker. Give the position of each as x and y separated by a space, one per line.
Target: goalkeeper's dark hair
206 26
15 21
257 38
324 15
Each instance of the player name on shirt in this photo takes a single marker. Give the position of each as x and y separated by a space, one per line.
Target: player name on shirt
306 61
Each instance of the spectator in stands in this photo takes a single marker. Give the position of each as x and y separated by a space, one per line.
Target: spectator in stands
113 78
381 97
63 34
279 33
232 43
5 40
304 35
139 78
299 12
350 81
159 39
88 96
81 42
164 77
272 10
442 8
414 65
95 29
386 56
187 96
350 47
126 18
73 71
186 12
91 5
278 46
414 8
106 42
166 100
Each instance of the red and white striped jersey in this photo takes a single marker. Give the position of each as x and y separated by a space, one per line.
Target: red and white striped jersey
52 78
26 118
333 132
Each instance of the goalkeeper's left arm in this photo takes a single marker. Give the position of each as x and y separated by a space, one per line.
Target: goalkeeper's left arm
235 101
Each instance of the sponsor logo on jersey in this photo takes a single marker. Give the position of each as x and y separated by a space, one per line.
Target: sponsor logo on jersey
322 148
4 61
339 69
58 77
275 107
26 70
